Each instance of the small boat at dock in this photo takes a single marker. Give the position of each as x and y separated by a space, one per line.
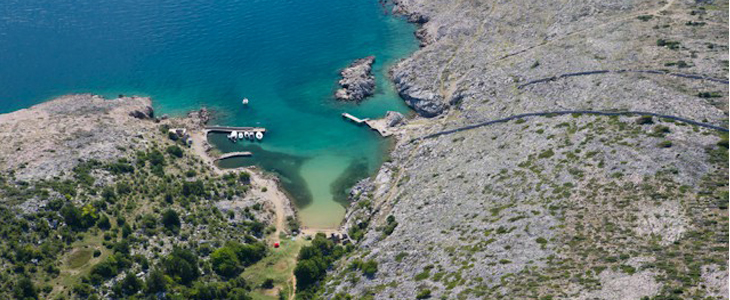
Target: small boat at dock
259 135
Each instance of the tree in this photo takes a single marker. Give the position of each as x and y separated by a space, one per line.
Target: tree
130 285
307 273
107 268
174 151
156 158
250 253
369 268
24 289
71 215
225 262
156 282
182 266
171 220
108 194
103 223
195 188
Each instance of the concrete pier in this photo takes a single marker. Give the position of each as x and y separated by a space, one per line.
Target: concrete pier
234 154
377 125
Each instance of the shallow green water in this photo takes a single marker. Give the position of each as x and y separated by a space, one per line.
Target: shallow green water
283 55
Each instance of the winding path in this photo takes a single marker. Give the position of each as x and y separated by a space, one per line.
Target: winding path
658 72
566 112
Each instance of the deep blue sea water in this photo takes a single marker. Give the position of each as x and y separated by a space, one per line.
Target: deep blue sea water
283 55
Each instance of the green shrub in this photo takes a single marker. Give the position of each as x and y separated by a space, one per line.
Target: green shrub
181 265
171 220
546 154
424 294
130 285
390 226
195 188
225 262
674 45
24 289
156 282
665 144
369 268
709 94
268 284
174 150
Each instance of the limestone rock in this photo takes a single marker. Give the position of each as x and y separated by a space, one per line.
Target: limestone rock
357 80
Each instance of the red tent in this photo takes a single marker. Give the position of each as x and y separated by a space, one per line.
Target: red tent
276 245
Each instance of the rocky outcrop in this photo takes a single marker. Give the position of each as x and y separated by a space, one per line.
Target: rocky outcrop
425 102
143 114
393 118
357 81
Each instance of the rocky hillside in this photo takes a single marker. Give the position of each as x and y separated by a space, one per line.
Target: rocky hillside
570 206
479 54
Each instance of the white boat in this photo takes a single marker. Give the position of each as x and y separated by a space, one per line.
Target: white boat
240 135
259 135
247 135
245 101
233 135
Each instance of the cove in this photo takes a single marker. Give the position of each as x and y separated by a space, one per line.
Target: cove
282 55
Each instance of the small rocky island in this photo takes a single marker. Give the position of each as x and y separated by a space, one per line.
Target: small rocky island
357 81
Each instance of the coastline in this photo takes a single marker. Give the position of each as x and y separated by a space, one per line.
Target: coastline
274 193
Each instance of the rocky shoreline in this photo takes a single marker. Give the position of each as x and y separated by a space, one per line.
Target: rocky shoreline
357 81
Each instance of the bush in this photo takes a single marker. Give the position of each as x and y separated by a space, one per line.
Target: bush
390 226
174 150
268 284
120 167
83 290
106 269
156 282
171 220
103 223
24 289
424 294
244 177
674 45
225 262
149 223
709 94
195 188
97 253
665 144
130 285
156 158
182 266
369 268
123 188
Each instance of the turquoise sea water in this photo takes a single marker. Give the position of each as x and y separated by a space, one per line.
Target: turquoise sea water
283 55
